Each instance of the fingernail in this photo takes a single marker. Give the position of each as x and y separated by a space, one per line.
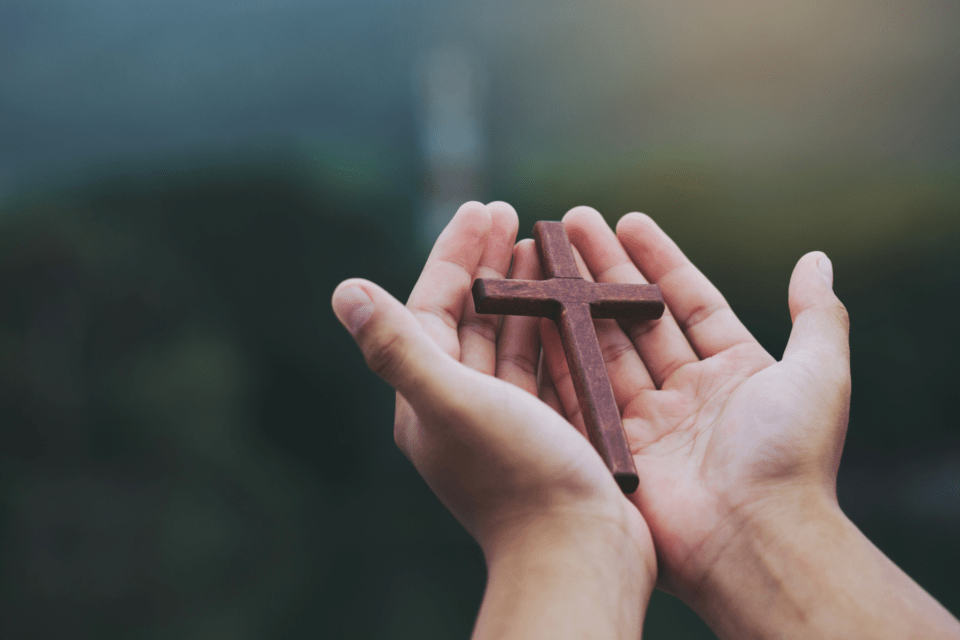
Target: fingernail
353 308
826 268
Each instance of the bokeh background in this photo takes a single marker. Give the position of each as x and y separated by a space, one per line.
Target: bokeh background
191 446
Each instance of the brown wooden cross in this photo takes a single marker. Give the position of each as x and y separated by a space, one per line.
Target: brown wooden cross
572 303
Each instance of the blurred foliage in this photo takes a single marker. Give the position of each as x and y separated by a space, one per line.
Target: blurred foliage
193 448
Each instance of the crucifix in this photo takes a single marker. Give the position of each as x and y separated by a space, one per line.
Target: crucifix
572 302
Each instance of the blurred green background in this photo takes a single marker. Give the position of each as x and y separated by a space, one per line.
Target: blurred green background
190 444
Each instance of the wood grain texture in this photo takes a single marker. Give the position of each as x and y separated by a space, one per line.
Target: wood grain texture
556 254
573 302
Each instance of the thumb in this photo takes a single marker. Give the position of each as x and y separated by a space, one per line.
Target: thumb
392 341
821 326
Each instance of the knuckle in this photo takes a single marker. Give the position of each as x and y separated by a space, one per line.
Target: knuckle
483 325
671 368
384 359
636 329
842 316
613 352
699 315
523 364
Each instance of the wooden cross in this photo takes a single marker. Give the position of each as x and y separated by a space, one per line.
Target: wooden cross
572 303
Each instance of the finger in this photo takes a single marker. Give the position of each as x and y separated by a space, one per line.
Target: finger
437 300
545 389
518 346
820 339
478 331
397 348
491 423
394 344
700 310
559 373
661 346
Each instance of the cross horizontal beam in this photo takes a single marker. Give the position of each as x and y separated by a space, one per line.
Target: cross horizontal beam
544 298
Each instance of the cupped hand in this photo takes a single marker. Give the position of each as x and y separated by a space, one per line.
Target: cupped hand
468 413
719 429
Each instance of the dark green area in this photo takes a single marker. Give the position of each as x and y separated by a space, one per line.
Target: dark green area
192 447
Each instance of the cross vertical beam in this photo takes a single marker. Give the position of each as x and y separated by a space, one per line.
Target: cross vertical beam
597 404
585 359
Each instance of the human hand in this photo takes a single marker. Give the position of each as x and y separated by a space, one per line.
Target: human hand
737 453
524 483
719 429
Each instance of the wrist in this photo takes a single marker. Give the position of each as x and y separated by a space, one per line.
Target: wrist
760 575
798 567
576 575
577 536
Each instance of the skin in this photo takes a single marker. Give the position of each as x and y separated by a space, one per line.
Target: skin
737 453
568 555
714 421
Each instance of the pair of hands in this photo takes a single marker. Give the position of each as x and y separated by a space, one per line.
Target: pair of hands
715 423
725 438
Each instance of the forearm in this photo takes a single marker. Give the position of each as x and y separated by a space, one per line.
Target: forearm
563 584
809 572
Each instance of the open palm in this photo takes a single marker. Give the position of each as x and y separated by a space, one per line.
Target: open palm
717 426
467 413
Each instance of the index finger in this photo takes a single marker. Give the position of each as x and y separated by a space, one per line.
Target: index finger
437 300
